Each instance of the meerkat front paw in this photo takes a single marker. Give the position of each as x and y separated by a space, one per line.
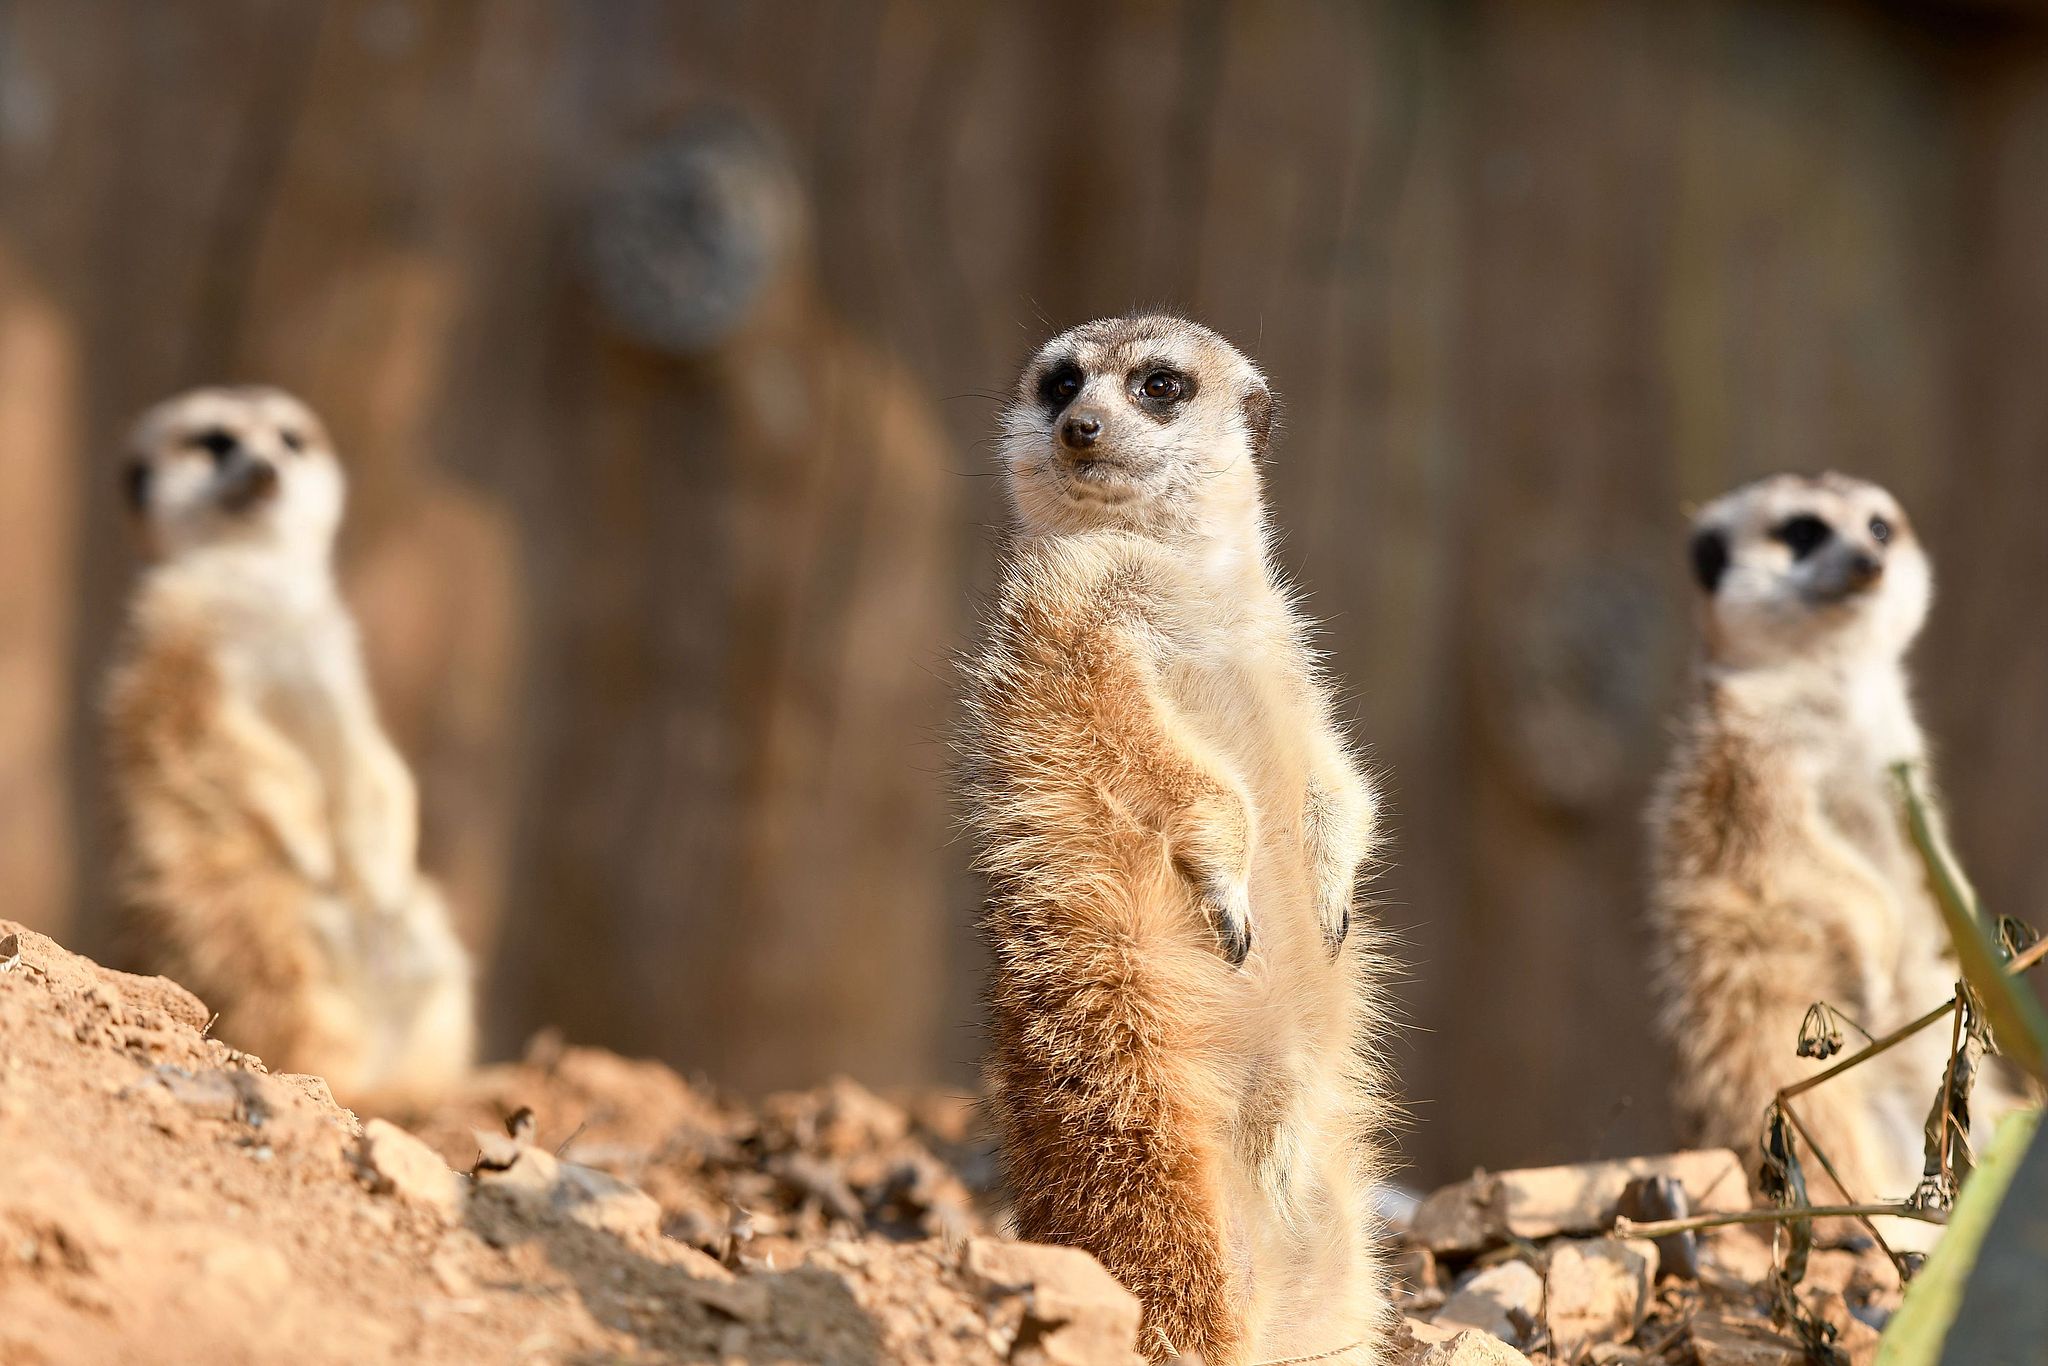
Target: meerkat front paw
1212 844
1336 820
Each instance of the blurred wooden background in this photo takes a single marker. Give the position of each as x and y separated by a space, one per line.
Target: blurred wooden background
666 633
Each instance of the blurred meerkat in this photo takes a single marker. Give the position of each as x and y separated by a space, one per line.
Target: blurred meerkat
1782 875
1171 824
268 827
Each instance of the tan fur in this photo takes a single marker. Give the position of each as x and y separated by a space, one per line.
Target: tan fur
1781 873
268 828
1149 764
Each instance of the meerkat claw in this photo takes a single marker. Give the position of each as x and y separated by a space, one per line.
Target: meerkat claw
1336 929
1232 912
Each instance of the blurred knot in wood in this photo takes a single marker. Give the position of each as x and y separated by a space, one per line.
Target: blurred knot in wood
689 233
1577 687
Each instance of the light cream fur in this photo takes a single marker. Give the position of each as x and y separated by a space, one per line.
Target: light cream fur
1157 789
1782 875
268 854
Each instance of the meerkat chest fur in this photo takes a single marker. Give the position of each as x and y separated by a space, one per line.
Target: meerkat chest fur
282 640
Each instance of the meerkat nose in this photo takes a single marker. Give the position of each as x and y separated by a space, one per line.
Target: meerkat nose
248 483
1864 568
1080 431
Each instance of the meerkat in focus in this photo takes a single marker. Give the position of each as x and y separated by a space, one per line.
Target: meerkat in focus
1171 824
268 829
1782 875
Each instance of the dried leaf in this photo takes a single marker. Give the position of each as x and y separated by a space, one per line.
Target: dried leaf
2015 936
10 953
1820 1033
1783 1182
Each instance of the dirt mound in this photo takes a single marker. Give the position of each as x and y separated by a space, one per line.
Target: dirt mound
165 1200
751 1185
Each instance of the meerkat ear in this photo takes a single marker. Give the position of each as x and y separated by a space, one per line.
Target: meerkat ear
1259 406
135 484
1709 558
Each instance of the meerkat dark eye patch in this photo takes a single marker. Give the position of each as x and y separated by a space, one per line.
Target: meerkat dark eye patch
1804 534
1880 530
135 485
1709 559
1160 389
217 442
1058 385
292 440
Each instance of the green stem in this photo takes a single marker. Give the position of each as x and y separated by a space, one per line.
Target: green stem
2017 1020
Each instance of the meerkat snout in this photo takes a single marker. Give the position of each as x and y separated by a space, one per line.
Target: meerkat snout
1080 431
247 482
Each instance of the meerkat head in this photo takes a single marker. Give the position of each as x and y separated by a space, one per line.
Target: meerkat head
249 466
1151 424
1801 567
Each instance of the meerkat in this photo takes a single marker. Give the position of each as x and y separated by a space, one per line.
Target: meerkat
267 828
1183 1066
1782 876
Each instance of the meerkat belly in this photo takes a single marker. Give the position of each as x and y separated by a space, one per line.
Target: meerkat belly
1293 1189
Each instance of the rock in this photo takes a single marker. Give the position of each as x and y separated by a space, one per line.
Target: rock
1469 1348
1736 1254
1422 1333
1724 1341
541 1184
1415 1279
1614 1354
1648 1199
1504 1300
1542 1202
1597 1290
393 1162
1416 1343
1075 1313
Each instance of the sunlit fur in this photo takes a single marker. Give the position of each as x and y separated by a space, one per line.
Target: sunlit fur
1782 876
1149 762
267 827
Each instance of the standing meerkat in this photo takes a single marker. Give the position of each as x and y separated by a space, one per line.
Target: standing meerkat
268 829
1171 824
1782 875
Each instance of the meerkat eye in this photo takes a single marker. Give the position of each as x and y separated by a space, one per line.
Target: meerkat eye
1804 534
1163 386
292 440
217 442
1059 385
1880 530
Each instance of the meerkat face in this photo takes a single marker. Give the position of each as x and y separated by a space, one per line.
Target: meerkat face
245 465
1799 567
1138 423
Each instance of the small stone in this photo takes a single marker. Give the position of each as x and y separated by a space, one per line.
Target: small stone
1075 1313
1504 1300
393 1162
1724 1341
541 1184
448 1270
1415 1279
1469 1348
1597 1291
